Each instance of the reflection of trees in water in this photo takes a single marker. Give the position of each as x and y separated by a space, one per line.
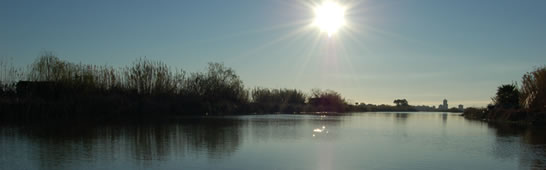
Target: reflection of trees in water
402 117
53 147
57 146
536 140
398 116
69 147
401 121
220 137
528 143
289 127
265 129
444 118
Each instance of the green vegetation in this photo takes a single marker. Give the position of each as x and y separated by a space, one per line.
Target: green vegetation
524 104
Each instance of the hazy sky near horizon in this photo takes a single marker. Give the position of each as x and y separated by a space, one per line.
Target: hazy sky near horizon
421 50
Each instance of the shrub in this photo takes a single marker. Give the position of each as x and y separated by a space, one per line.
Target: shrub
507 96
533 90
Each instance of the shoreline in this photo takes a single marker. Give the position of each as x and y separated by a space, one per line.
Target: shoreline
506 116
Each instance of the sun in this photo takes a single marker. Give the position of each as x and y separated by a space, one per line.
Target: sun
329 17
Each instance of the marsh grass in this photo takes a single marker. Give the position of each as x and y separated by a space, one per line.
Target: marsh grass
52 88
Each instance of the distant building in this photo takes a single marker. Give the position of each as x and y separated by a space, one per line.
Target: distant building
443 106
461 107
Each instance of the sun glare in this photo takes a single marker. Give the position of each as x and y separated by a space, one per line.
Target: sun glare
329 17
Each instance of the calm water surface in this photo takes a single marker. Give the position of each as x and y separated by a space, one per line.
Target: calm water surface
356 141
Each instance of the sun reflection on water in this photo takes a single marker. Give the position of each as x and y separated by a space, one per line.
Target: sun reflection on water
318 131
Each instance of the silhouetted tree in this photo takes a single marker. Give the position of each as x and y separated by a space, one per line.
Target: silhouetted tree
49 67
401 102
220 89
327 100
507 96
150 77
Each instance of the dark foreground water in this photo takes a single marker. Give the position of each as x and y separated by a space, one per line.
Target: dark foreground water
357 141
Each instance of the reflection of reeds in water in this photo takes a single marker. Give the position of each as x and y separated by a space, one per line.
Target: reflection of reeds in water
532 139
55 146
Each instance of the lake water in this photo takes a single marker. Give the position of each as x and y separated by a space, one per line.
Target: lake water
355 141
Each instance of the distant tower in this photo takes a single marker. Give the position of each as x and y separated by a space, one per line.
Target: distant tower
445 104
461 107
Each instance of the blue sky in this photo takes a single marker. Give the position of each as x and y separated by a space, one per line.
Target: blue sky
421 50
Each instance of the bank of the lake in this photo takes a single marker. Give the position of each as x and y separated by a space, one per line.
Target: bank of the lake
513 103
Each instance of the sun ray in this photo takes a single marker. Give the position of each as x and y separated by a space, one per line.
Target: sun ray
291 34
307 55
347 58
262 30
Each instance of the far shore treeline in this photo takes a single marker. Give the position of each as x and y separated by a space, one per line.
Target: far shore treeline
524 103
54 89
